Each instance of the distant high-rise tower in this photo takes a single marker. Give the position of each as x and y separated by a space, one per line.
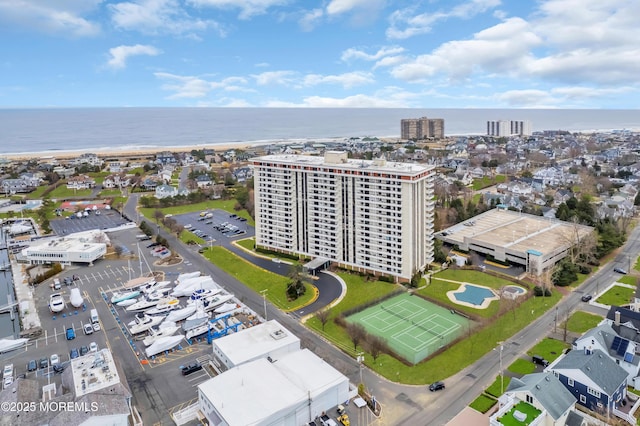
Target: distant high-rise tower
421 128
508 128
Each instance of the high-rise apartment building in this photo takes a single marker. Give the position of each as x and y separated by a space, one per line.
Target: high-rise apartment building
421 128
509 128
370 216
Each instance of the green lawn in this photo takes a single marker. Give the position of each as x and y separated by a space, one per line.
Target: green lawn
37 193
581 321
497 388
109 193
522 366
258 279
486 181
532 413
548 348
616 296
63 192
247 243
226 205
628 279
483 403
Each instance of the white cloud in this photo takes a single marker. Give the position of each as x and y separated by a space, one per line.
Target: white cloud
527 98
503 48
120 54
359 54
192 87
347 80
271 78
390 61
158 16
407 22
54 16
310 19
336 7
248 8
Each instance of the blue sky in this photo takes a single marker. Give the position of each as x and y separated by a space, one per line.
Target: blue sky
332 53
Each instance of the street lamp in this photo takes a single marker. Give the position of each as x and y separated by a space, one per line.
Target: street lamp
264 301
360 359
501 373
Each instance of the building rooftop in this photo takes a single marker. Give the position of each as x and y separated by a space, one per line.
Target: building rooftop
255 341
93 372
338 159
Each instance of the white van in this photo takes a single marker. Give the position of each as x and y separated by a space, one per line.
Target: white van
95 321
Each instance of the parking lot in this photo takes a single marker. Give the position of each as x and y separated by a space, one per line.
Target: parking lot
221 226
95 219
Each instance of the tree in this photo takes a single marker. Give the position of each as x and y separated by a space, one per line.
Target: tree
376 345
323 316
356 333
158 215
296 286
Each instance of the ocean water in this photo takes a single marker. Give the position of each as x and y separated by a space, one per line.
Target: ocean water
96 129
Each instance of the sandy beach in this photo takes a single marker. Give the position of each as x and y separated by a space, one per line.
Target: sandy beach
129 153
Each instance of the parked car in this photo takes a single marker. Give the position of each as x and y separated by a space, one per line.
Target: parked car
153 245
32 365
436 386
93 347
56 284
58 368
44 363
537 359
71 334
88 328
54 359
586 297
191 368
84 350
73 353
620 271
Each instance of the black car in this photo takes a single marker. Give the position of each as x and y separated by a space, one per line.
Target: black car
242 219
191 368
233 215
44 363
586 297
58 368
537 359
84 350
153 245
436 386
620 271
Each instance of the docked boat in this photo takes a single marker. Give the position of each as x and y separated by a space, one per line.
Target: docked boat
7 345
143 304
144 323
163 344
189 286
165 329
159 293
164 306
150 288
56 303
75 298
126 303
211 303
121 296
186 276
198 331
226 307
202 293
190 324
181 313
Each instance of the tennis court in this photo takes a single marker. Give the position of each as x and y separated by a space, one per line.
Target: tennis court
412 326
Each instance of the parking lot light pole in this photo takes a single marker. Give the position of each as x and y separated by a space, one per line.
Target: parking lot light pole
264 301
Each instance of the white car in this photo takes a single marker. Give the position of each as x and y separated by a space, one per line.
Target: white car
93 347
54 359
96 326
88 329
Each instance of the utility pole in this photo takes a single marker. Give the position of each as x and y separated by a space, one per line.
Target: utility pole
264 301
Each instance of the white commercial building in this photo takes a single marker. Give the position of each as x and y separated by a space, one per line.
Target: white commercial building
268 340
66 250
509 128
370 216
292 390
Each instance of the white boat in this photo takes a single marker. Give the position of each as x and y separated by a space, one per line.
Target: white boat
225 307
144 323
76 298
159 293
136 283
164 307
181 313
188 275
163 330
155 286
197 331
120 296
211 303
142 304
127 302
7 345
192 323
202 293
163 344
199 313
189 286
56 303
7 376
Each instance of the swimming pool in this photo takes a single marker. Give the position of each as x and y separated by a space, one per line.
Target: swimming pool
474 295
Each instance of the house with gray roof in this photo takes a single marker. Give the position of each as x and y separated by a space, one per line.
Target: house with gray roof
594 379
544 392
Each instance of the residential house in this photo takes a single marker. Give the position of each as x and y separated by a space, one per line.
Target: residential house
203 181
150 183
115 166
116 180
64 172
81 182
166 158
539 393
16 186
88 158
594 379
243 173
165 191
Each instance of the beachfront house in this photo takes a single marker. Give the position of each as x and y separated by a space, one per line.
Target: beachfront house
81 182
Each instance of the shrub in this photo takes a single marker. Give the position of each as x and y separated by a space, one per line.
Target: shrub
539 291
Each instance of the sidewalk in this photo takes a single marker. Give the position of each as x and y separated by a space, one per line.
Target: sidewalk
30 324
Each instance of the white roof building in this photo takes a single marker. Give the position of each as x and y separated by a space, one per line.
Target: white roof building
269 339
66 250
292 390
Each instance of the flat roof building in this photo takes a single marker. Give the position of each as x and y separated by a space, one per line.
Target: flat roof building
422 128
370 216
291 390
73 248
266 340
535 242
